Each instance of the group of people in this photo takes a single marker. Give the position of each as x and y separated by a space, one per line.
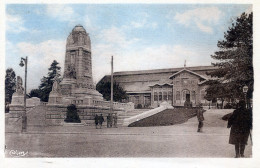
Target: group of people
99 121
240 123
111 120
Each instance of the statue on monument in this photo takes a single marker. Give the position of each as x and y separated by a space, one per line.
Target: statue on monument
70 72
19 85
55 86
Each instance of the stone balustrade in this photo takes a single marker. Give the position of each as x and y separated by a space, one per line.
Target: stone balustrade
116 105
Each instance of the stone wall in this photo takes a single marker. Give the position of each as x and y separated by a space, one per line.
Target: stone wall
55 114
16 111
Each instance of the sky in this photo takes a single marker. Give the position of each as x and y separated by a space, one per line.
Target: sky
139 36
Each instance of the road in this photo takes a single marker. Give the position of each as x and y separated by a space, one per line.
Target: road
176 141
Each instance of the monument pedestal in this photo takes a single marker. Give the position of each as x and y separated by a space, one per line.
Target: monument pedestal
55 98
17 99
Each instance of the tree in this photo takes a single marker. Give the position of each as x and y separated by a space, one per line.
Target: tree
47 82
35 93
105 89
10 83
234 61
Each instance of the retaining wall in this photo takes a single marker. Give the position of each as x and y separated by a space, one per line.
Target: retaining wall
55 114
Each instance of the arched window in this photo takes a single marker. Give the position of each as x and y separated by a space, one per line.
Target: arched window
165 96
169 95
160 96
178 95
155 96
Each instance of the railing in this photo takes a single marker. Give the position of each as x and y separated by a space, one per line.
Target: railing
116 105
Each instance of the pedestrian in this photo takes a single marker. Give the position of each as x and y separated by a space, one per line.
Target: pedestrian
96 120
108 120
101 120
115 120
111 121
200 118
240 123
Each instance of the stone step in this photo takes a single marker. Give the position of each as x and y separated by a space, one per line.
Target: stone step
73 124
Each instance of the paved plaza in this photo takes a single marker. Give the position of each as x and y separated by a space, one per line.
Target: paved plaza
179 140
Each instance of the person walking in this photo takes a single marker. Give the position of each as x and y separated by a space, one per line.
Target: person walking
96 120
108 120
240 123
111 121
200 118
101 120
115 120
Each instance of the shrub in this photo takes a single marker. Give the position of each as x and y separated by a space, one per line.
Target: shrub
139 106
72 114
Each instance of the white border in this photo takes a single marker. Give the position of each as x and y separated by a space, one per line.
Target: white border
136 162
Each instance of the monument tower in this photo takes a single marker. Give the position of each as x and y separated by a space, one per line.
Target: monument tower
77 78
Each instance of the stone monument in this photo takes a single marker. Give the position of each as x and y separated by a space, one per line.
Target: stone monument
18 96
77 85
17 104
55 96
77 79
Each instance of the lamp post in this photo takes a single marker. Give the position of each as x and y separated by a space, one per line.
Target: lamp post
245 89
112 85
24 117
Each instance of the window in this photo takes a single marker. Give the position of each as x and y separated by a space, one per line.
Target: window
165 96
137 100
178 96
155 96
169 95
160 96
72 57
193 95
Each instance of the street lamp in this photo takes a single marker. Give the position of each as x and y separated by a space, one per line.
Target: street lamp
245 89
24 117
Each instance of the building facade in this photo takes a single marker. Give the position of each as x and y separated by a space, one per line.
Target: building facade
149 88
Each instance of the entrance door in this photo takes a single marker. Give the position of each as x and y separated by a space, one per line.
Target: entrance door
185 95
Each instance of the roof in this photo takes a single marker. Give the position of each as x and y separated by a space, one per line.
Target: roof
173 70
201 76
160 84
79 28
134 92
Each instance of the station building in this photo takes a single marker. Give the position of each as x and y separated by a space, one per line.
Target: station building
149 88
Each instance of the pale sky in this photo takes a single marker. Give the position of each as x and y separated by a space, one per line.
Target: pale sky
139 36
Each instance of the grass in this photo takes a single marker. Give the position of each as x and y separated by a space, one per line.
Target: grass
166 117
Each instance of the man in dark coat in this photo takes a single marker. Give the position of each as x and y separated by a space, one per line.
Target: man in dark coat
200 117
241 124
101 120
96 120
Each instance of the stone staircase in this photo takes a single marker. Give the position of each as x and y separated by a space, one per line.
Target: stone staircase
129 114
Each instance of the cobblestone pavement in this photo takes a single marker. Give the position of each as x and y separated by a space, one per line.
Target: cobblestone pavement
180 140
